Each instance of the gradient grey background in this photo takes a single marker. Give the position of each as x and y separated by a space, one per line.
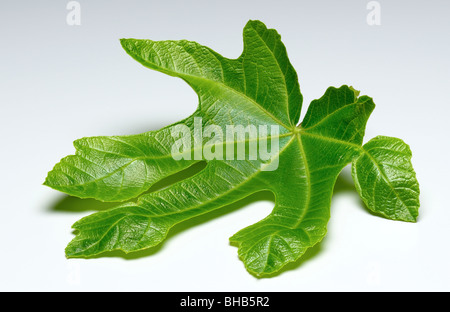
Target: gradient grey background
59 83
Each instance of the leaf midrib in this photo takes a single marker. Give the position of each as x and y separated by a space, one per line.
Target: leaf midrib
386 179
329 115
236 187
132 160
299 132
185 75
191 208
280 70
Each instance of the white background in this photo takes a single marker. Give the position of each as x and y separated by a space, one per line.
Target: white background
60 82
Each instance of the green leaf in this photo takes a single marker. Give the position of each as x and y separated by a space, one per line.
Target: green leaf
258 89
260 81
117 168
303 184
385 179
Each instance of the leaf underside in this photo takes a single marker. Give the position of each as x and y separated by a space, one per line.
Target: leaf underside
259 88
385 179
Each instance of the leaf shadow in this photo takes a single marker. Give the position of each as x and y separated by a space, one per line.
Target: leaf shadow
69 204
